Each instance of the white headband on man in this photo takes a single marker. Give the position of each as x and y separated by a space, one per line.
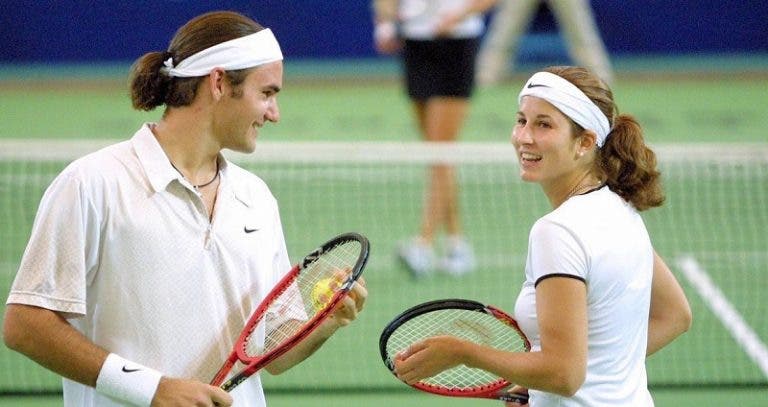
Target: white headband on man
240 53
570 100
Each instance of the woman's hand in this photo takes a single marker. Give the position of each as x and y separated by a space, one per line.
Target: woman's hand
427 358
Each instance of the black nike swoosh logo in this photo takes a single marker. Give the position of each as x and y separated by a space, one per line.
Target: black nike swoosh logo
126 370
536 85
246 230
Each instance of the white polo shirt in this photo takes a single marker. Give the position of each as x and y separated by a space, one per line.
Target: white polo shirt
122 245
600 239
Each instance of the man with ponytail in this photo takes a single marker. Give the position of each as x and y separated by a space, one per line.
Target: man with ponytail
597 298
147 257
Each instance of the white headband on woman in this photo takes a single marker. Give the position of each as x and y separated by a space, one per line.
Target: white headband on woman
240 53
570 100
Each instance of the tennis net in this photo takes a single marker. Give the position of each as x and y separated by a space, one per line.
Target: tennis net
711 231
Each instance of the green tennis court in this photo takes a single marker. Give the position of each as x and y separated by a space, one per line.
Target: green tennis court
711 133
680 398
675 100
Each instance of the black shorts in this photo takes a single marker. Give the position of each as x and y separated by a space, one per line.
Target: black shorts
442 67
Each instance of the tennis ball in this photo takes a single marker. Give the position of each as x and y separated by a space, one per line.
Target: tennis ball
323 292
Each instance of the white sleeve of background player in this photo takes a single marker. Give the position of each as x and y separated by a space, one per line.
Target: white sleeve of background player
556 250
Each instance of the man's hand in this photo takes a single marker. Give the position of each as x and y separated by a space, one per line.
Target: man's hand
351 305
173 392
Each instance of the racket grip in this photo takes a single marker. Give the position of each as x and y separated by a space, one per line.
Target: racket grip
233 382
514 397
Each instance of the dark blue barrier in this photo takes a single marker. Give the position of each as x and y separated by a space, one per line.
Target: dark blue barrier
108 30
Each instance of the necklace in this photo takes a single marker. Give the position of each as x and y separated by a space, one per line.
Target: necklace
579 188
583 188
215 177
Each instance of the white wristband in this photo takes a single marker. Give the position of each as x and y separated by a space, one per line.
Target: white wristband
127 381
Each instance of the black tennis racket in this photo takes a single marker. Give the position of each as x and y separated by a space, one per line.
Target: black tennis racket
468 320
297 305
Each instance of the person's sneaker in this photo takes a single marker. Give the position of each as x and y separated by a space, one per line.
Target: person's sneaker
417 256
459 257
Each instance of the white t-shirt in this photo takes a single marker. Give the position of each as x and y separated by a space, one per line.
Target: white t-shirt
122 245
419 18
600 239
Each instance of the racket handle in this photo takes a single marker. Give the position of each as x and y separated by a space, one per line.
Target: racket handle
233 382
514 397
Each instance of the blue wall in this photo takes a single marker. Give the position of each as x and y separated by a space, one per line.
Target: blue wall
108 30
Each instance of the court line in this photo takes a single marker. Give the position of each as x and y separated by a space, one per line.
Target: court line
731 319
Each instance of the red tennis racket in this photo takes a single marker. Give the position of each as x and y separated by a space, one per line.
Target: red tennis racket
297 305
468 320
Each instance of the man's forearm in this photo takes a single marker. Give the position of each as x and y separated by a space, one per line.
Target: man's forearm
48 339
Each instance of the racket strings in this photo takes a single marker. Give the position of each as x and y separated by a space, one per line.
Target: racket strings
473 326
293 307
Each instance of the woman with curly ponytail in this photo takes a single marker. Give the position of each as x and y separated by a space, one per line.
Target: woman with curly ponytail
597 299
592 255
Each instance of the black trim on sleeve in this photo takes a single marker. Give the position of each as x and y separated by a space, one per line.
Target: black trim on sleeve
542 278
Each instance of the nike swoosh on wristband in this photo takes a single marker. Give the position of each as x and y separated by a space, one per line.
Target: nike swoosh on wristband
126 370
246 230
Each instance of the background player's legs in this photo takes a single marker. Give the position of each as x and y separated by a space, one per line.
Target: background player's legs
440 120
443 119
578 28
499 48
